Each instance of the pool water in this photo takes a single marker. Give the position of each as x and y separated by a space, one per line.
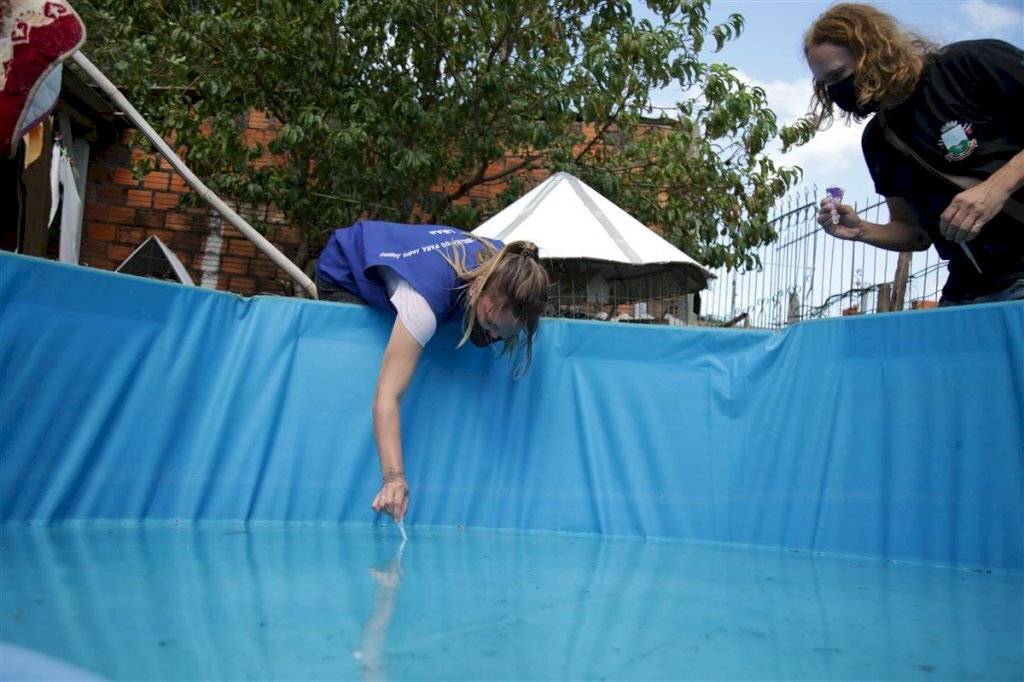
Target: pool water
290 602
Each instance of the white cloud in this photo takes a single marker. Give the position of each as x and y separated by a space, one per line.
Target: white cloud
837 148
831 151
833 157
991 17
788 99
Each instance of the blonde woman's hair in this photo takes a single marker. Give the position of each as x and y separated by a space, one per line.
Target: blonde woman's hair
888 59
514 274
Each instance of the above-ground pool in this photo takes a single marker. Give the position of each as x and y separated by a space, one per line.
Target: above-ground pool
185 481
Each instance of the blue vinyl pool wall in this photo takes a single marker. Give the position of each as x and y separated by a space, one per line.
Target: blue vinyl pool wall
898 436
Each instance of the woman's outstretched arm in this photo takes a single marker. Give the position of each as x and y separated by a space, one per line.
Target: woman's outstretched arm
400 359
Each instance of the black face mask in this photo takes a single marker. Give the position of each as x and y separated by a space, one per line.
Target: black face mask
479 337
844 95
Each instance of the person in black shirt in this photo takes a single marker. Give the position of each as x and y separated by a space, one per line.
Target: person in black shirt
958 109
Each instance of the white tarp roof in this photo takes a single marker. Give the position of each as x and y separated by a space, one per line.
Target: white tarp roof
568 219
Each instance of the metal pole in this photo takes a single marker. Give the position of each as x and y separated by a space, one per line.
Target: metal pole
204 192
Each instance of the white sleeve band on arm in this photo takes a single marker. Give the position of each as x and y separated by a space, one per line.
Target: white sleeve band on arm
413 309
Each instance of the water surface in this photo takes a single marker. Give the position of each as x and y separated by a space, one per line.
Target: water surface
211 601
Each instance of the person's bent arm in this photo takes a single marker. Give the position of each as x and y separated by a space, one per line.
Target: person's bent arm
901 233
396 370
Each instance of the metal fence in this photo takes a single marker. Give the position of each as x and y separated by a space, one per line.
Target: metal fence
807 274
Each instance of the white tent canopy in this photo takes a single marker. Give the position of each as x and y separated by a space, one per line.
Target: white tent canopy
568 220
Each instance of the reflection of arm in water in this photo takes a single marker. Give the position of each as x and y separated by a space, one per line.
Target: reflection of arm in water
376 628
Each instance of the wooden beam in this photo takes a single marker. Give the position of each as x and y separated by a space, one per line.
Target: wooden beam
884 298
899 286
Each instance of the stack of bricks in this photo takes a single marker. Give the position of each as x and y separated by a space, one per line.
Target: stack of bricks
122 212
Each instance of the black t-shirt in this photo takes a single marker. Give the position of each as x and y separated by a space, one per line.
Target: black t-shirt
964 118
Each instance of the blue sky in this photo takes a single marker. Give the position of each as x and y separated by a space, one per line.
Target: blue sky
769 54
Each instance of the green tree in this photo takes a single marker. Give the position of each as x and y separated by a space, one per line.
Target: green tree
381 102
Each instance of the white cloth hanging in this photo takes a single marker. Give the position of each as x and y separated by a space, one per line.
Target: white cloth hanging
71 212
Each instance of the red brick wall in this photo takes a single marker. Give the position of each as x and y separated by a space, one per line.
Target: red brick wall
121 213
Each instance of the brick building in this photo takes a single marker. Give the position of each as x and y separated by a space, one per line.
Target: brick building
121 212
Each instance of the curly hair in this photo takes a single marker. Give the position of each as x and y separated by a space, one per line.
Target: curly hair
888 59
515 275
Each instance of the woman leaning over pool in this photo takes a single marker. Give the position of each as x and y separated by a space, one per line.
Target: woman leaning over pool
428 275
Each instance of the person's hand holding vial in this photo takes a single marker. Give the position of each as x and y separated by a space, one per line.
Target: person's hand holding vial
836 218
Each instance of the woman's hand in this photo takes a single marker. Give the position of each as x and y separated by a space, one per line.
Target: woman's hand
849 226
393 498
970 211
